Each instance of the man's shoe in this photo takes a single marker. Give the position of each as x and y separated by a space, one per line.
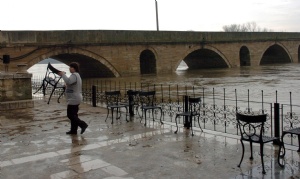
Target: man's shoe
71 133
83 129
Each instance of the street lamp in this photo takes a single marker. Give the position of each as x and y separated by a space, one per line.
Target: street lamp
156 16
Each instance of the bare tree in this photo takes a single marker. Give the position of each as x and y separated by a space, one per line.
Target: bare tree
247 27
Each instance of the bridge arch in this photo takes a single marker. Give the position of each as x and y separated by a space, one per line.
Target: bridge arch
275 53
94 66
245 56
206 57
147 61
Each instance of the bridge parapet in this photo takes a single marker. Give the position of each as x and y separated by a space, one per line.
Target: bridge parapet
117 37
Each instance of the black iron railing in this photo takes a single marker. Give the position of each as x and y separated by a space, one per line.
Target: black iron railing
218 106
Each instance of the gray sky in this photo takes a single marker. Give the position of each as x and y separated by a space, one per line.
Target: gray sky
174 15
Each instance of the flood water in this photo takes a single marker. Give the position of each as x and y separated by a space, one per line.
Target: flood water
260 80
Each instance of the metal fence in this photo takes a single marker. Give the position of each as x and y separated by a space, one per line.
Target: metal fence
218 107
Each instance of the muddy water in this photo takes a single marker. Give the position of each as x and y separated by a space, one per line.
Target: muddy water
262 81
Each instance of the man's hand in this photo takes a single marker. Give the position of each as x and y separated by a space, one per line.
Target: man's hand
61 73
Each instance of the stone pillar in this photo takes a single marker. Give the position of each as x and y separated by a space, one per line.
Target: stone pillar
15 90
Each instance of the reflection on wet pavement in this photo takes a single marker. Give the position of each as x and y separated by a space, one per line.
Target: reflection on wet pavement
39 148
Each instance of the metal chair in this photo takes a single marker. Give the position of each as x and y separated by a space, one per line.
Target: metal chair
193 111
251 129
147 102
113 101
53 79
292 131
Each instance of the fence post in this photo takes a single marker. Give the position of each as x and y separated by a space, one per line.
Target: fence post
130 101
186 109
276 121
94 95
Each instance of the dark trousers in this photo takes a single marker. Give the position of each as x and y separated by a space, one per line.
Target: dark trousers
72 113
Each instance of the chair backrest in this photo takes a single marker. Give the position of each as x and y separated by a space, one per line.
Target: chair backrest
251 125
112 97
51 76
249 118
195 104
54 70
147 98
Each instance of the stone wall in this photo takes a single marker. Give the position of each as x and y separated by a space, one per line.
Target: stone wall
117 37
15 90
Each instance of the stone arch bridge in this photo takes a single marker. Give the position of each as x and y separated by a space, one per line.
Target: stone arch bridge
114 53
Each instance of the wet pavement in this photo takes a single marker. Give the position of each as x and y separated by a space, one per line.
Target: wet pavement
33 145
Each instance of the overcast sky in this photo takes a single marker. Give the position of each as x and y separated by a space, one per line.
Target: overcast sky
174 15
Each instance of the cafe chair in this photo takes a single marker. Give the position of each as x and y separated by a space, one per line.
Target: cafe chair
252 128
292 131
52 81
193 111
113 101
147 102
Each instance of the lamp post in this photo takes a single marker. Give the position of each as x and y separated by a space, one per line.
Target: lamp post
156 16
